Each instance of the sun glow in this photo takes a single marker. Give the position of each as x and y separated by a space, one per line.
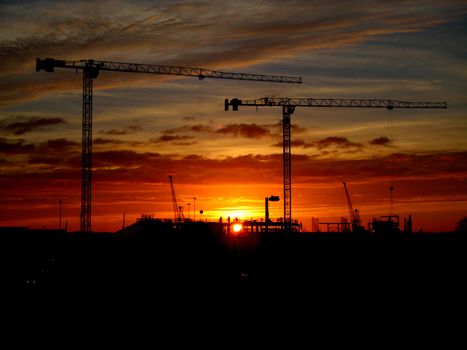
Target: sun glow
239 214
237 227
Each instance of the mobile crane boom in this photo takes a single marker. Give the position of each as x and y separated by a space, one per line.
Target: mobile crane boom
177 210
354 215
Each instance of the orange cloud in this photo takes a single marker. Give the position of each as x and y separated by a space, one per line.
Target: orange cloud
170 138
380 141
126 131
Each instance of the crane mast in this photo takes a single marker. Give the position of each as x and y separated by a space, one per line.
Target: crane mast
288 106
91 69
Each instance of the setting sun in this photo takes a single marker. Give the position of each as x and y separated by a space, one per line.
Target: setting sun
237 227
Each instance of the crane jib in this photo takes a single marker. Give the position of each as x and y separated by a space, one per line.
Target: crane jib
336 103
49 64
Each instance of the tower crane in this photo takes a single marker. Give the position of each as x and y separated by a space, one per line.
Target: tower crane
178 213
91 69
288 108
354 214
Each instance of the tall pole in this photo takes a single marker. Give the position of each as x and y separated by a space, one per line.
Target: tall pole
194 208
60 214
391 189
266 214
287 111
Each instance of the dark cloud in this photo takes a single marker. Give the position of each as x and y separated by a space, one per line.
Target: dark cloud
53 151
296 129
25 124
104 141
197 128
380 141
126 131
46 160
244 130
296 143
101 141
59 145
336 141
181 140
15 147
394 166
128 165
126 158
170 138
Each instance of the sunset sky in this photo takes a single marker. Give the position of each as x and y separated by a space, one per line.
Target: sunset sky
147 127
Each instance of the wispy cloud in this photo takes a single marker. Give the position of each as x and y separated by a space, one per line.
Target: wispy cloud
131 129
196 34
197 128
237 130
19 125
14 147
335 142
252 131
259 168
59 145
171 138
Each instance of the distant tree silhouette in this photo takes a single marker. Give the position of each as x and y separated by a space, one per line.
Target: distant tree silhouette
461 225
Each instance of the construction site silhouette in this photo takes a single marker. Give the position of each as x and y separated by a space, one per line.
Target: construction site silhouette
163 258
172 256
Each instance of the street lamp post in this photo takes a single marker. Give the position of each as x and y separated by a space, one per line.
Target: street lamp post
266 202
194 208
60 214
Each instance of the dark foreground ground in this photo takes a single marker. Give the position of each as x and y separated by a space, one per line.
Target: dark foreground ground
151 258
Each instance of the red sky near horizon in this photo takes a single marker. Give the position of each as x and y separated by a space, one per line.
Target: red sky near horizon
149 127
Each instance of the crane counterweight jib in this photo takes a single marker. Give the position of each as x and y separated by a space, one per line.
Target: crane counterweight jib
48 64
